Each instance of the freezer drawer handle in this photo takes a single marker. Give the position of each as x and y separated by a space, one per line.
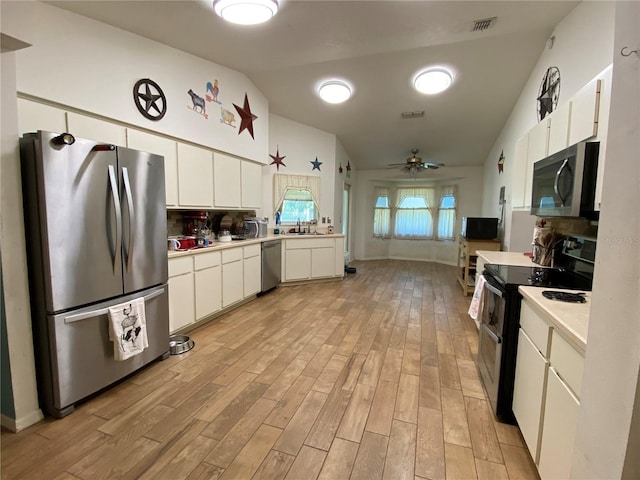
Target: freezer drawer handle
103 311
116 205
132 222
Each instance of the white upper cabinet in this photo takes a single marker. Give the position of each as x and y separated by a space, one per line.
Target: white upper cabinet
584 112
251 184
33 116
93 129
227 184
559 122
147 142
537 149
519 172
195 176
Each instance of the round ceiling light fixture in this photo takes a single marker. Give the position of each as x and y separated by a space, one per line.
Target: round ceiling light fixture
433 80
246 12
334 91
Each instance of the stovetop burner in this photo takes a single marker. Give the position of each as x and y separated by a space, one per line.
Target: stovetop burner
564 296
511 276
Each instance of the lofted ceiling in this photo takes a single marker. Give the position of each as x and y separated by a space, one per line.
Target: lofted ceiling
377 46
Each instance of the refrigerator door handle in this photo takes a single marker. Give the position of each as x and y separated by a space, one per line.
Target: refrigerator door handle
104 311
116 205
132 221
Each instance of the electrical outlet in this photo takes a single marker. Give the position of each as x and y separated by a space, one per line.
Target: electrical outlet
324 219
328 219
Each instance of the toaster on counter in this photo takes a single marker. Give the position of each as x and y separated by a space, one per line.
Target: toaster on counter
255 228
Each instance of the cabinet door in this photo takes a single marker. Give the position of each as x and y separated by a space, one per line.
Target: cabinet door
519 172
161 146
252 276
584 116
559 128
604 104
208 291
536 150
232 283
528 392
195 176
323 261
226 181
251 185
339 262
91 128
181 301
298 264
559 429
33 116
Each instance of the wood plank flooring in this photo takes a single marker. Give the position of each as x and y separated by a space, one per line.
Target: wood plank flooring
372 377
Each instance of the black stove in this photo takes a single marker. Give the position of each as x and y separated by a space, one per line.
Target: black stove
511 277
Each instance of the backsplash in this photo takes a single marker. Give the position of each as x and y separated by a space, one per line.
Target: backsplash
175 218
568 226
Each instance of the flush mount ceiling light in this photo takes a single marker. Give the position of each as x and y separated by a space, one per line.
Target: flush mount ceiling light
433 80
246 12
334 91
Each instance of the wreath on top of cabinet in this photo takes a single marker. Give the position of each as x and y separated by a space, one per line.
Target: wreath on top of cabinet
549 92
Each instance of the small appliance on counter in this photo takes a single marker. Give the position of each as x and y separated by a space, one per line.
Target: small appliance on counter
255 227
479 228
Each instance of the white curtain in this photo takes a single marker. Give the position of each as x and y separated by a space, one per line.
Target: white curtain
382 213
283 182
414 213
447 211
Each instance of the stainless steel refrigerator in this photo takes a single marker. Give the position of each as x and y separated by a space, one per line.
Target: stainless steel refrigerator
95 228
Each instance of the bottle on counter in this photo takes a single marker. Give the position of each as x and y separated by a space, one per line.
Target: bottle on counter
276 230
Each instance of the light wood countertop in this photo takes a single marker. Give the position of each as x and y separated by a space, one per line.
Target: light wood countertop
571 319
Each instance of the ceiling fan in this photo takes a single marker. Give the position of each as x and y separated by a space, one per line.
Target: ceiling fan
414 164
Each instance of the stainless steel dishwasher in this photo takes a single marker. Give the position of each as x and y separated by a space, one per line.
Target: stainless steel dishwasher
271 264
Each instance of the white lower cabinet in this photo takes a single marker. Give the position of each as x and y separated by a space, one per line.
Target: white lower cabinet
311 258
559 432
252 270
232 276
181 293
208 279
528 392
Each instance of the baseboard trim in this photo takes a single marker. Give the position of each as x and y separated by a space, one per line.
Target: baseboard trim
18 424
409 259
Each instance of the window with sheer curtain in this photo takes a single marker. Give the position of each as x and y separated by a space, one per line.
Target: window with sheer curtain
447 212
296 197
382 213
414 213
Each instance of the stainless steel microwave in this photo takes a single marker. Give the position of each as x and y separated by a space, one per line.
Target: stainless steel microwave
564 183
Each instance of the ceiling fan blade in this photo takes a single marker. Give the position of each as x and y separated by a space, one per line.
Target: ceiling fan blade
393 165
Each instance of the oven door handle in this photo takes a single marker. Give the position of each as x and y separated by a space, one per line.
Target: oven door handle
493 336
493 289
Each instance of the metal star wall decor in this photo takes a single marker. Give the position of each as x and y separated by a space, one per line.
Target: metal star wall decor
246 117
149 99
277 159
316 165
501 162
340 169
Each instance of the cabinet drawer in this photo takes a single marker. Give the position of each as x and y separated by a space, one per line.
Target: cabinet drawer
537 329
206 260
231 255
568 362
252 250
178 266
310 243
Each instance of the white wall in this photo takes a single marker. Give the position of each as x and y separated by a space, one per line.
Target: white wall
93 67
300 145
367 247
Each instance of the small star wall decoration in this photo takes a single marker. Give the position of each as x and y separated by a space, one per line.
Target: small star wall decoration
316 165
340 169
278 160
246 117
501 162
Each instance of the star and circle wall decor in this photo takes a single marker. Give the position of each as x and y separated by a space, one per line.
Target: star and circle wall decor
549 92
149 99
246 116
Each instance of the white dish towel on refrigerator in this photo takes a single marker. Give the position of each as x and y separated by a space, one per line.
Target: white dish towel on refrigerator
128 329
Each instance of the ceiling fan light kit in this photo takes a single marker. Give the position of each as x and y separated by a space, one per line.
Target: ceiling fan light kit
334 91
246 12
433 80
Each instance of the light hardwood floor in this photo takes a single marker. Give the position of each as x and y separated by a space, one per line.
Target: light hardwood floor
366 378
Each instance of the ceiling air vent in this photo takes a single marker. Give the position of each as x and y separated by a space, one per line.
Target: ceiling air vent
484 24
418 114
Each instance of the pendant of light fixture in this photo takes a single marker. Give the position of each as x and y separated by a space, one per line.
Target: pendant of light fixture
246 12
